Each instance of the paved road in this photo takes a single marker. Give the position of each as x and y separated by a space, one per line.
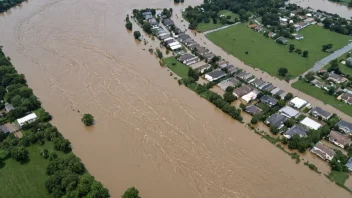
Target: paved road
220 28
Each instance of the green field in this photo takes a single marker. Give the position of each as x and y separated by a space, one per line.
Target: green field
265 54
344 69
178 68
202 27
340 177
27 180
322 95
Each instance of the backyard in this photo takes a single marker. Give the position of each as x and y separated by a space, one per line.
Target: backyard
322 95
202 27
264 53
344 69
16 180
178 68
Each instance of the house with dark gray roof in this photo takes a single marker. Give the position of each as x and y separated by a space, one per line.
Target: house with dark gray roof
295 130
345 126
228 82
200 51
253 110
268 100
184 37
319 112
244 76
257 82
241 91
222 64
269 87
147 15
208 56
168 22
261 87
215 75
277 120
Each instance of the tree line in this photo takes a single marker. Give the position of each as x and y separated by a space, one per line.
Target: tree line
7 4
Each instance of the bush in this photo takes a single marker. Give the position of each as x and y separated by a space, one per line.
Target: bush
88 119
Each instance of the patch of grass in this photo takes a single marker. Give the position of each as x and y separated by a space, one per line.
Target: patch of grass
265 54
17 180
202 27
229 13
344 69
312 167
178 68
339 177
323 96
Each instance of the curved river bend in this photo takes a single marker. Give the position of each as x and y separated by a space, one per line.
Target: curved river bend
150 133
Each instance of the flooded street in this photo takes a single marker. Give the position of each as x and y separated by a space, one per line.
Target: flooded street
150 132
325 5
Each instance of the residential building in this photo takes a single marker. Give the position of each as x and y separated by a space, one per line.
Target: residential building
215 75
184 37
295 130
200 51
27 119
257 82
208 56
268 100
345 126
297 103
317 83
289 112
275 90
319 112
8 107
233 82
282 39
345 97
339 139
244 76
298 36
241 91
253 110
8 128
188 59
311 124
231 69
250 96
147 15
201 69
271 34
323 151
222 64
276 120
269 87
349 164
337 78
168 22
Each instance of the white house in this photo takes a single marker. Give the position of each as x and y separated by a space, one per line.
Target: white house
27 119
297 102
250 96
311 124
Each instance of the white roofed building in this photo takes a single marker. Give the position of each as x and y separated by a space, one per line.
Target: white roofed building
311 124
298 103
27 119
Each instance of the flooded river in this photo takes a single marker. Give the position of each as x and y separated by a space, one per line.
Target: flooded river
150 133
325 5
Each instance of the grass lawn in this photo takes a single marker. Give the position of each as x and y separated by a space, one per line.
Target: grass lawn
27 180
323 96
340 177
178 68
267 55
346 70
202 27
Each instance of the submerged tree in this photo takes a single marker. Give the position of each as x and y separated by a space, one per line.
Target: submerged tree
88 119
131 193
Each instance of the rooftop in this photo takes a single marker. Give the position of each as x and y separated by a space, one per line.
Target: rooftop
310 123
276 120
321 112
323 151
268 100
289 112
216 74
295 130
253 110
340 138
228 82
241 91
298 102
345 126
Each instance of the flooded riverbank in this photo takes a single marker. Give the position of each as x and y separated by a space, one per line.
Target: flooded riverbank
325 5
150 132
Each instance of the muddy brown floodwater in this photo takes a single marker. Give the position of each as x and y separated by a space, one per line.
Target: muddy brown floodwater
150 133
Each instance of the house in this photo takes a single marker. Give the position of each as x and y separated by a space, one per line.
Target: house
231 69
257 82
282 39
345 126
215 75
183 37
271 34
269 87
252 26
208 56
222 64
241 91
253 110
268 100
250 96
8 107
8 128
323 151
275 90
228 82
27 119
295 130
289 112
339 139
319 112
336 78
276 120
244 76
281 94
349 164
298 36
188 59
258 29
147 15
168 22
201 69
297 103
200 51
317 83
261 87
311 124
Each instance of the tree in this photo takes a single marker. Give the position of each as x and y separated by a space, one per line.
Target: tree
193 74
338 162
290 122
255 119
292 47
128 25
88 119
159 53
305 53
332 90
283 71
20 154
309 76
131 193
136 34
334 67
325 48
298 51
229 97
229 89
325 75
288 96
147 27
281 103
